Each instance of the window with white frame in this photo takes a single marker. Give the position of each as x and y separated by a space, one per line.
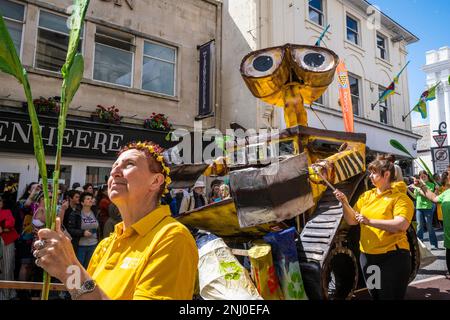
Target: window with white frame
319 101
114 55
316 11
14 16
355 93
159 68
352 30
384 106
381 47
52 41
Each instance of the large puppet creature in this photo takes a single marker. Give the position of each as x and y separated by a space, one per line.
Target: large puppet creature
290 76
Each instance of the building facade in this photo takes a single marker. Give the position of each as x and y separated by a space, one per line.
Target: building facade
142 57
372 45
437 69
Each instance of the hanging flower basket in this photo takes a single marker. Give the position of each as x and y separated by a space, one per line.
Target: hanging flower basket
107 115
158 121
50 106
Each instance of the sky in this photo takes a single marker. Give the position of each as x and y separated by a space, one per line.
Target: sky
429 20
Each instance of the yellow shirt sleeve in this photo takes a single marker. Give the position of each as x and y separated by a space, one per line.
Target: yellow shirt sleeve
170 271
404 207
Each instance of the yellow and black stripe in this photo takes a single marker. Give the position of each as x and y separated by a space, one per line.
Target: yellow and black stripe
346 165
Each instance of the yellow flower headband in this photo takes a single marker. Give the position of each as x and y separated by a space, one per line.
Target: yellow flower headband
155 151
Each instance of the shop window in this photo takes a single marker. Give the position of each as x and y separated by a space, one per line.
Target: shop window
114 55
97 175
159 68
14 16
52 41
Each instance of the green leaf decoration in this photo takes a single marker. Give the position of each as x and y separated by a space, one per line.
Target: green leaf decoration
397 145
230 270
72 72
9 59
73 79
76 23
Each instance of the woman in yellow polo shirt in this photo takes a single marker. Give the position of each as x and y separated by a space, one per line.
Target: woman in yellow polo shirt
384 214
148 256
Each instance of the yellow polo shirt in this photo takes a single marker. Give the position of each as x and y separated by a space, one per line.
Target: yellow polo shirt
385 206
156 258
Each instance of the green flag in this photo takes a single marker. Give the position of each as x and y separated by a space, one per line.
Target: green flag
421 107
430 94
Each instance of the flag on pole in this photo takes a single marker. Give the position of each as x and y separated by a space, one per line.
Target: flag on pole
427 95
322 35
421 107
345 97
390 90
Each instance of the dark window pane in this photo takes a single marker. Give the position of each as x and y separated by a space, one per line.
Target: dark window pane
383 115
355 104
53 22
381 46
319 101
382 53
161 52
316 4
113 42
354 86
383 106
354 91
380 42
97 175
158 76
352 24
51 50
15 30
352 36
113 65
12 10
315 17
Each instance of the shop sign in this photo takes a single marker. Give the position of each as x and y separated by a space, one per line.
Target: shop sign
82 139
206 79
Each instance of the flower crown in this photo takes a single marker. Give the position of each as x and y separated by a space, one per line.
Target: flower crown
156 151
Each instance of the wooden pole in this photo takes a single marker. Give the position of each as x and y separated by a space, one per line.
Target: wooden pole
26 285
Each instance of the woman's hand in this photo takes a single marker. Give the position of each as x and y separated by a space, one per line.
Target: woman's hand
341 196
65 205
54 252
361 219
87 233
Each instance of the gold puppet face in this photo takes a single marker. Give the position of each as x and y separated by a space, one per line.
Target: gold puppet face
266 72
